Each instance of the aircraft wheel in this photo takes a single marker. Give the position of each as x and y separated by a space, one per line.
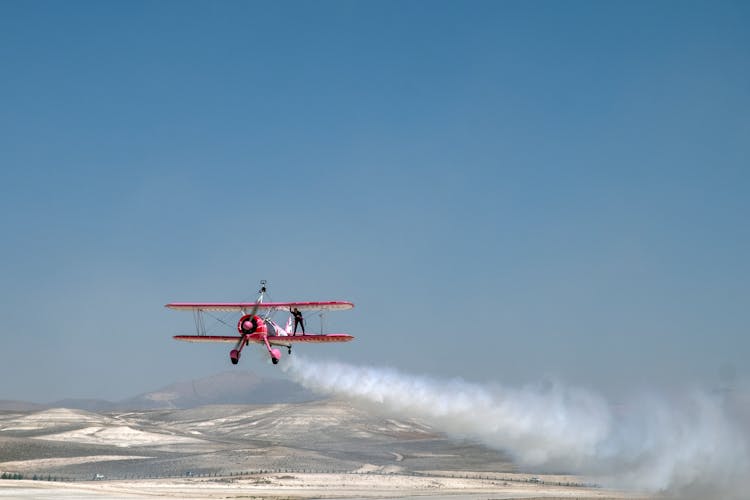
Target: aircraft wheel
275 361
234 356
290 350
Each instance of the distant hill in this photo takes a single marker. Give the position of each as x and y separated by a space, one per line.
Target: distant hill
83 404
10 405
234 387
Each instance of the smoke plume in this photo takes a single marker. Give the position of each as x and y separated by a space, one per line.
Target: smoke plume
694 446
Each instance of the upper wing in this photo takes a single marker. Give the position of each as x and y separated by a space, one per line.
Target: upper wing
262 307
276 339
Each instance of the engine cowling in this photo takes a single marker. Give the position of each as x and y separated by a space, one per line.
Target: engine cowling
250 323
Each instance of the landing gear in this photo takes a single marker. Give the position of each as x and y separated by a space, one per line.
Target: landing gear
274 353
234 356
289 351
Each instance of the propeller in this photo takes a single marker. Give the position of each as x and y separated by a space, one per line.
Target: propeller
249 322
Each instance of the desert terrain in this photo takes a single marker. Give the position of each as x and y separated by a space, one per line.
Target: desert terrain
316 449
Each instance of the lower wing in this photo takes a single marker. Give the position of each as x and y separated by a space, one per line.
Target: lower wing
256 338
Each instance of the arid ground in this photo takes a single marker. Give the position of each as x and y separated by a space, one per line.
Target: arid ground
319 449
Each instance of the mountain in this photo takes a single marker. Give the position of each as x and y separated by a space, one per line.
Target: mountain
234 387
83 404
11 405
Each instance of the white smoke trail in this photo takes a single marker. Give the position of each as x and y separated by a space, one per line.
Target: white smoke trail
691 448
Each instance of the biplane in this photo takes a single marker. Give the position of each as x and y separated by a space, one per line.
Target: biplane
256 326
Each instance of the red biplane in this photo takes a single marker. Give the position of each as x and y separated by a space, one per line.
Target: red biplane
256 325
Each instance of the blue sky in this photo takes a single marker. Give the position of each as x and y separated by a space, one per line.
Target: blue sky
507 190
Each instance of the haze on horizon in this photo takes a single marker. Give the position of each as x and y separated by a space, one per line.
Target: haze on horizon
508 191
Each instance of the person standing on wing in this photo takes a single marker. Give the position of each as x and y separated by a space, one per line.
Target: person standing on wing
298 320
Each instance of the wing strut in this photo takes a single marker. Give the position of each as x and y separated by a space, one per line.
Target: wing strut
200 326
322 316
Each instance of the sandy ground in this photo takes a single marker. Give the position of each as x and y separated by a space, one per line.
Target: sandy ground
26 466
120 436
341 486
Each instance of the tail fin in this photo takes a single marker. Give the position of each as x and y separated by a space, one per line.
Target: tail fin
288 327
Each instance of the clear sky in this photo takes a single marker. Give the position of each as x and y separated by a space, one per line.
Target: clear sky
507 190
